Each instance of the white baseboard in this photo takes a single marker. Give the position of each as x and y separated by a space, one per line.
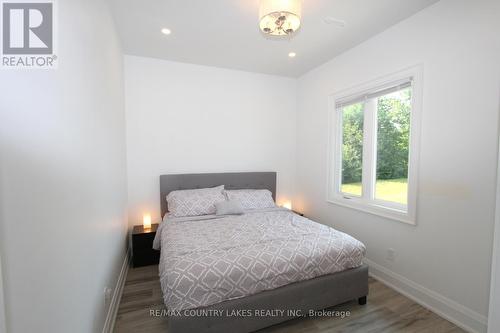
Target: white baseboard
452 311
109 324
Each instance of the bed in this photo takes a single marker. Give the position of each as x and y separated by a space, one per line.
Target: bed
246 272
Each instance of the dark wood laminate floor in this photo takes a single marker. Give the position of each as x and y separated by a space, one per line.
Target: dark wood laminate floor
386 311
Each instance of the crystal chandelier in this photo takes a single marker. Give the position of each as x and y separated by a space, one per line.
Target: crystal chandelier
279 17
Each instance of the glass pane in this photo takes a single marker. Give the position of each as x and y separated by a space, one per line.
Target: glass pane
393 135
352 149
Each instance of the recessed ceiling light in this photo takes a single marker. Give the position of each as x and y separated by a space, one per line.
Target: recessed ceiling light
292 54
166 31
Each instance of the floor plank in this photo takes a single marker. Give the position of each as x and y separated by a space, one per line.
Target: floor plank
387 311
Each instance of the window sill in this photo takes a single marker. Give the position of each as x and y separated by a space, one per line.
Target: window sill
373 208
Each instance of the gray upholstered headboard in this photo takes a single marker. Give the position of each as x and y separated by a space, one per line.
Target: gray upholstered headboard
232 181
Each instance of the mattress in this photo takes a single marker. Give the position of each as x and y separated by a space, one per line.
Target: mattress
209 259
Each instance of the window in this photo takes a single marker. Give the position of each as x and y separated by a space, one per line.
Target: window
373 153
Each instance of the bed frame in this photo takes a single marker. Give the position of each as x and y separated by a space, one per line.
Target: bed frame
296 299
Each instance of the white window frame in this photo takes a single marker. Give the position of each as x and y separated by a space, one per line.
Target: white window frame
367 202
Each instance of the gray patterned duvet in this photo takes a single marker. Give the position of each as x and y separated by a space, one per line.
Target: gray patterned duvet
211 259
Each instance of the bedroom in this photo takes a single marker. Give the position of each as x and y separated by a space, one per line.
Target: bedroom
140 90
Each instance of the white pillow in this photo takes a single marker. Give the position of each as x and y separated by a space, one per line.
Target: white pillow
194 202
228 207
252 199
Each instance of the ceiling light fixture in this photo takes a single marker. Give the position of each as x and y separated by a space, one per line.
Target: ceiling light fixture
166 31
279 17
292 54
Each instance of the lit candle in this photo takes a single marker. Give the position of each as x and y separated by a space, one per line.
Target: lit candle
146 221
287 205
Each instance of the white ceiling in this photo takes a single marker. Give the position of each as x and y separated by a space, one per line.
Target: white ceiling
225 33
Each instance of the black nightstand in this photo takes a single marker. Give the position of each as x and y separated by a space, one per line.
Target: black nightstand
143 253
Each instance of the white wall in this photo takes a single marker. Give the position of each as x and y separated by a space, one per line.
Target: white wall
185 118
63 178
3 328
445 259
494 310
